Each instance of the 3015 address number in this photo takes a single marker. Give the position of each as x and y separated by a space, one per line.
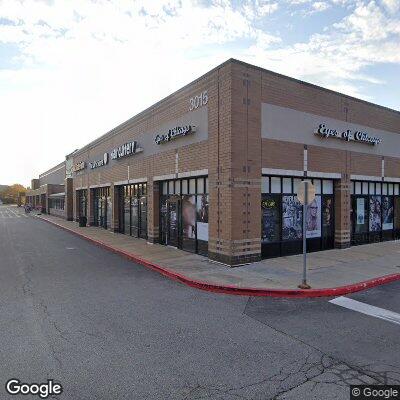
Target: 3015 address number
198 101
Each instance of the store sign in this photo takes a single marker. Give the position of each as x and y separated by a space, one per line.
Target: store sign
175 133
79 166
99 163
126 149
347 135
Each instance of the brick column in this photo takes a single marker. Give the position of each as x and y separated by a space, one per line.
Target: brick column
342 212
75 205
46 203
235 173
153 211
69 199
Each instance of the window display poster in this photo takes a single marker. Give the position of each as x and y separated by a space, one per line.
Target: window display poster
189 216
164 219
292 212
387 212
397 213
270 225
313 221
360 214
375 213
327 214
202 217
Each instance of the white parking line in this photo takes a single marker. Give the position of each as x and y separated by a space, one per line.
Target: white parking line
366 309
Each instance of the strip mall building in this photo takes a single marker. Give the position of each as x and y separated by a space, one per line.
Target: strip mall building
214 169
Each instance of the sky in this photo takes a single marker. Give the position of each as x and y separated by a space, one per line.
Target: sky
72 70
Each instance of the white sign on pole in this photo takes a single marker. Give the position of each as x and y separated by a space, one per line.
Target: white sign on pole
305 195
310 192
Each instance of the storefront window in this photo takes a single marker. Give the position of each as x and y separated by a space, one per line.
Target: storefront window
375 212
275 185
265 184
397 212
184 214
189 222
82 203
327 186
313 221
282 217
270 219
57 204
375 216
192 186
102 207
364 187
292 218
177 187
371 188
184 187
134 219
387 212
361 215
171 187
200 186
287 185
202 217
127 213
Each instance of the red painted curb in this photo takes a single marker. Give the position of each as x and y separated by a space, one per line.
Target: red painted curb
235 290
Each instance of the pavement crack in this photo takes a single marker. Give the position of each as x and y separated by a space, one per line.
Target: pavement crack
325 369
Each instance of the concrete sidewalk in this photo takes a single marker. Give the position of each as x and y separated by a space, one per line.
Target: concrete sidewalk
326 269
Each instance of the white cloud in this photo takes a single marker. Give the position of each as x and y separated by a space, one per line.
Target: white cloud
336 57
320 6
392 6
84 67
87 66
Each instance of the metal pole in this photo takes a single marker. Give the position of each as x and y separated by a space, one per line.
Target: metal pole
304 284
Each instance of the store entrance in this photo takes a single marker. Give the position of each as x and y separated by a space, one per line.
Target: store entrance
184 214
133 210
102 207
173 223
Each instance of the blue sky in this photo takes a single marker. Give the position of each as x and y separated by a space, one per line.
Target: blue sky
72 70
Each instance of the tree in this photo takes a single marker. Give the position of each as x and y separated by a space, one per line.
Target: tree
11 194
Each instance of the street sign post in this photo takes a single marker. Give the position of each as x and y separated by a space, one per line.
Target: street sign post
305 195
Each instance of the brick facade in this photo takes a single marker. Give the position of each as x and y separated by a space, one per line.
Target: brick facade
236 152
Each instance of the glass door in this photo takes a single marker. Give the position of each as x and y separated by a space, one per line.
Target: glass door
134 217
127 215
96 217
108 210
173 222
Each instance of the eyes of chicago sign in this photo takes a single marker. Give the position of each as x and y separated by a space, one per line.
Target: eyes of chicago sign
347 135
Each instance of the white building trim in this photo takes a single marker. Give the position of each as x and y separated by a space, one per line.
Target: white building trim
164 177
365 178
389 179
130 181
189 174
186 174
99 186
286 172
328 175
